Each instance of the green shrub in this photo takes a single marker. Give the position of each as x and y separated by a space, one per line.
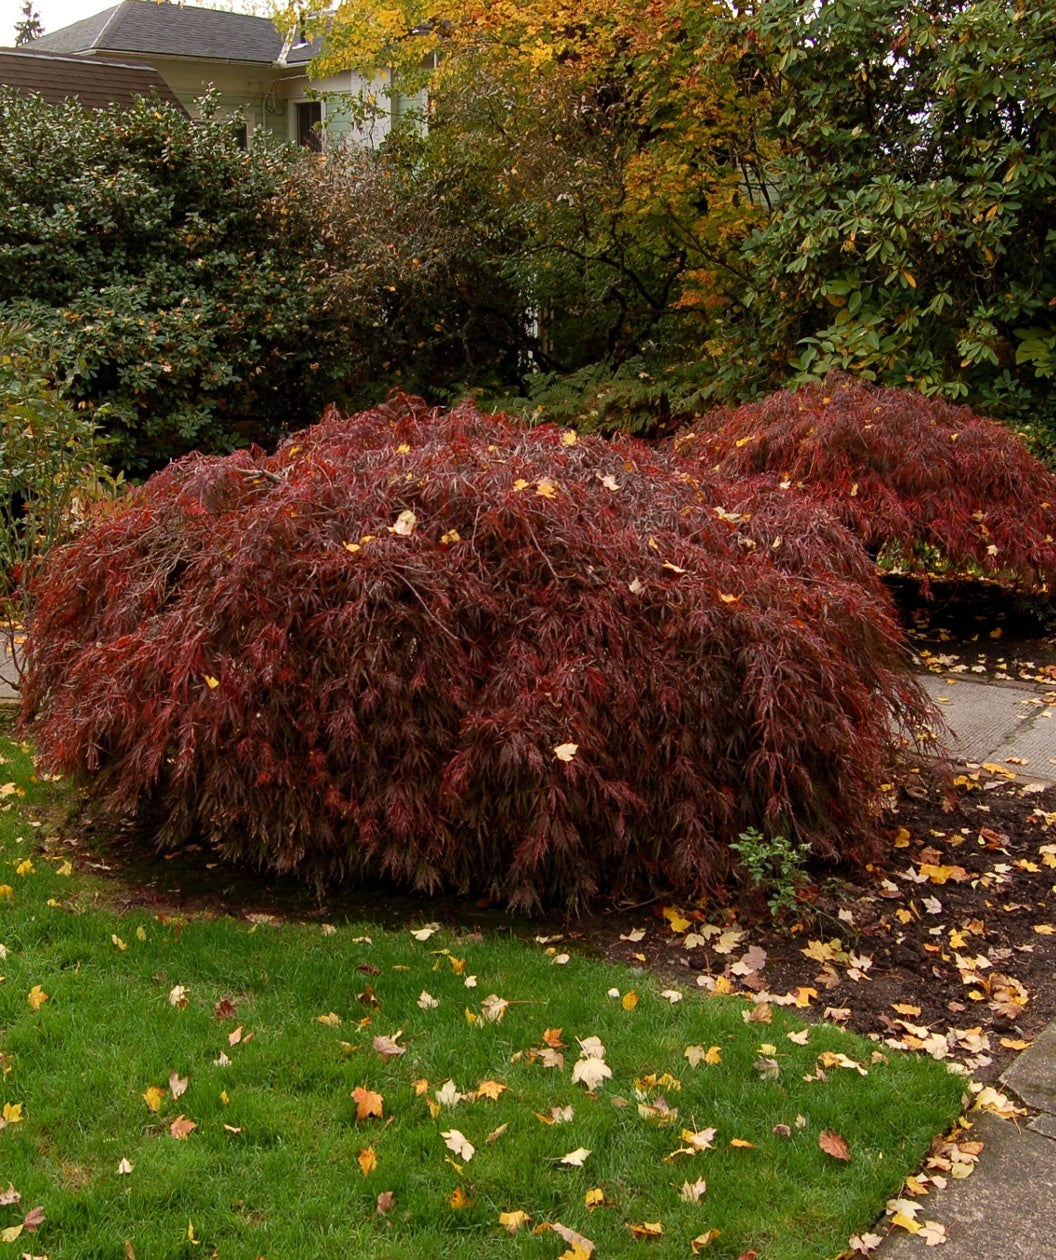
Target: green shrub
51 470
146 254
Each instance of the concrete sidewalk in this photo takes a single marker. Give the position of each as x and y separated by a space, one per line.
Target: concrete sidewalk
1005 1209
8 674
1012 724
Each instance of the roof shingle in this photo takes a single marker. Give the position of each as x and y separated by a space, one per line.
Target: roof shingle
169 30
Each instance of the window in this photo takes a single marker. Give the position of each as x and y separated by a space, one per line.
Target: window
310 125
240 135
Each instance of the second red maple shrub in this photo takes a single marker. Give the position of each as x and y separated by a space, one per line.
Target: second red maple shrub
935 482
443 649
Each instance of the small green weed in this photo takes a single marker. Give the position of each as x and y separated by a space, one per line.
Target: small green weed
249 1087
774 865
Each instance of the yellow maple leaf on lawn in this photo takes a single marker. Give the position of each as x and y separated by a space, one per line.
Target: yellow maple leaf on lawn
154 1096
512 1221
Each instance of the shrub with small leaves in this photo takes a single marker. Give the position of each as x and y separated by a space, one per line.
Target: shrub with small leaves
158 276
923 478
458 653
52 471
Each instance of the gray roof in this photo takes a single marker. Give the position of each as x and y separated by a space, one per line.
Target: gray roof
168 30
299 54
95 84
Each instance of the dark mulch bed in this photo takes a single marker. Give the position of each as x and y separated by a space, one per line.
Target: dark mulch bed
946 941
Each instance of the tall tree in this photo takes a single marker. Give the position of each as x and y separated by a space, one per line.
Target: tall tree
614 141
29 27
752 192
913 241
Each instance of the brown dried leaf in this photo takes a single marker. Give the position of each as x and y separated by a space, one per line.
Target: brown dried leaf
33 1219
182 1128
387 1048
832 1144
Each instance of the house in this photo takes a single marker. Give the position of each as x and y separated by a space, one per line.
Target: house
95 84
245 60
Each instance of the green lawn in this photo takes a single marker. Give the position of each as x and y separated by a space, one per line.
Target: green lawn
260 1035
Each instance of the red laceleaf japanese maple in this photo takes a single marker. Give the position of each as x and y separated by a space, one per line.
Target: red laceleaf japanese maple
935 482
444 649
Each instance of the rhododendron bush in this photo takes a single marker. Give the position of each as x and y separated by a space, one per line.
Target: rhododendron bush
932 481
446 650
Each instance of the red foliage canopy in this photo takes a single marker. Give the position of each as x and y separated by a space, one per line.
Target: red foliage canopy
457 653
898 469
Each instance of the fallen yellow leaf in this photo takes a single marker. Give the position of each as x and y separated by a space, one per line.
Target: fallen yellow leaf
703 1240
367 1160
905 1222
154 1096
404 524
676 919
36 997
